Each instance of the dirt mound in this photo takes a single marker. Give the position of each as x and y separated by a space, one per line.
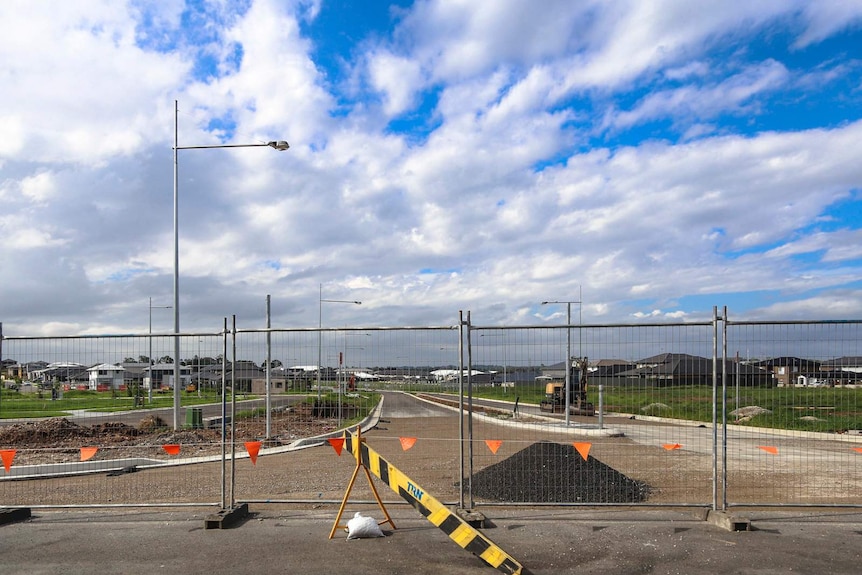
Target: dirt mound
59 431
548 472
58 439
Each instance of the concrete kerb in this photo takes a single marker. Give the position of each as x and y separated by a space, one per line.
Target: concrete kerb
579 429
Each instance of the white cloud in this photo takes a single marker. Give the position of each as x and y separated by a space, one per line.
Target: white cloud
704 102
398 79
827 17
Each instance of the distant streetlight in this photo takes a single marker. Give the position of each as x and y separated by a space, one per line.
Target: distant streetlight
150 357
568 361
322 301
279 145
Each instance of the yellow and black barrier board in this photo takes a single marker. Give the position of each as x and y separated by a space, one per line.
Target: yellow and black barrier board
458 530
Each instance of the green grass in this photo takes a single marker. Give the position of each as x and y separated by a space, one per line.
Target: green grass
15 405
835 409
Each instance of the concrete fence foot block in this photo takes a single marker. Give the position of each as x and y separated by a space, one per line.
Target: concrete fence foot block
472 517
727 521
226 518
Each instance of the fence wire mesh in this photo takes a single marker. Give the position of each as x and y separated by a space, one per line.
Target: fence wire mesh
472 414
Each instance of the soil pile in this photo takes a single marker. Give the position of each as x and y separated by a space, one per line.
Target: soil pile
60 431
58 440
548 472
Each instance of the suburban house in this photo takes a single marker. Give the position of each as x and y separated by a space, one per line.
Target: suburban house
163 376
668 369
787 371
845 370
105 376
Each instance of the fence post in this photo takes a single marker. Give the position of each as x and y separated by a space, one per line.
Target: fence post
461 407
714 408
724 410
224 417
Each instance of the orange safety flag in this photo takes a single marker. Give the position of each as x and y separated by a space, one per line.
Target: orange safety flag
583 449
768 449
493 445
253 448
671 446
857 449
8 455
88 453
171 448
407 442
337 444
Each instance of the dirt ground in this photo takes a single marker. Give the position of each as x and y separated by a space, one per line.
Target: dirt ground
317 474
59 440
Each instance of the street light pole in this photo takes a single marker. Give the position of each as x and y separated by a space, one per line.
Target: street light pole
150 356
568 362
321 301
279 145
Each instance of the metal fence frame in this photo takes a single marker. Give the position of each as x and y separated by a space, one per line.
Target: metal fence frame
722 333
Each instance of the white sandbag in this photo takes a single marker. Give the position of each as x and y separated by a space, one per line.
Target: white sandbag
363 527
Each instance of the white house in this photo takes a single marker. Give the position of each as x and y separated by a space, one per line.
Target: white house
105 374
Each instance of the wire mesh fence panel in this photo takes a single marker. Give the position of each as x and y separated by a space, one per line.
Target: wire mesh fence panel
88 421
562 415
794 410
367 374
626 425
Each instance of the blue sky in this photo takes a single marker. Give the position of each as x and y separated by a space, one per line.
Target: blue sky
658 158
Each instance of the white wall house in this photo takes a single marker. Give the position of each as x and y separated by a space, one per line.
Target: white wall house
105 374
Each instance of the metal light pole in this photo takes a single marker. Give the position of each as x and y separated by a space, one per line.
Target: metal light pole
150 357
568 362
279 145
321 301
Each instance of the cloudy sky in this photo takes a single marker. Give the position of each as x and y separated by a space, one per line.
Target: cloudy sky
652 158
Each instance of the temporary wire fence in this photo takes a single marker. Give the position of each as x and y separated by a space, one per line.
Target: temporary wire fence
475 414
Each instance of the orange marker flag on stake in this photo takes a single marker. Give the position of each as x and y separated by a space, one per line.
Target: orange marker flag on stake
407 442
671 446
253 448
8 455
583 449
337 444
493 445
88 453
857 449
171 448
768 449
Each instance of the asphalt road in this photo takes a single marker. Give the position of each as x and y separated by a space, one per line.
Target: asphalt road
544 541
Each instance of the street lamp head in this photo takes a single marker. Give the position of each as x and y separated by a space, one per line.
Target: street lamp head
279 145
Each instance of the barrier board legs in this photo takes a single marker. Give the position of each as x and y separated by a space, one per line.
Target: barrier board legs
359 465
438 514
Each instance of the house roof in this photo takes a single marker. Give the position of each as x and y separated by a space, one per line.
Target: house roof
106 367
846 361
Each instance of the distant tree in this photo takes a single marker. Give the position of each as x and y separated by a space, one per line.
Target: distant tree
143 359
166 359
129 360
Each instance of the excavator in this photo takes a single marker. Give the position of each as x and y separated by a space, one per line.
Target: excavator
555 392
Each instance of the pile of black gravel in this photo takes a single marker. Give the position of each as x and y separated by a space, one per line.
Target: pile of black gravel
548 472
